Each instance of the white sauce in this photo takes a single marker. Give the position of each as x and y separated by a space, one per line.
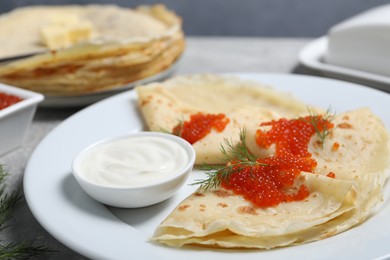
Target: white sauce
133 162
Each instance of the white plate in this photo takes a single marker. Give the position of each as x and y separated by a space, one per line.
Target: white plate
88 99
312 56
98 232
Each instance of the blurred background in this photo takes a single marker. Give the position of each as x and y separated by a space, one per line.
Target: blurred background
267 18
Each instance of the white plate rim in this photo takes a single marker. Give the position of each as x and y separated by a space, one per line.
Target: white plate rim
312 56
110 238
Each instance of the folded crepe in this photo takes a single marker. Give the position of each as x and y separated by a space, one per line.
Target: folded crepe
246 103
356 150
87 49
220 218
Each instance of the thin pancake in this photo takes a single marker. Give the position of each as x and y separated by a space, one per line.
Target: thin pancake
203 218
245 103
138 43
357 151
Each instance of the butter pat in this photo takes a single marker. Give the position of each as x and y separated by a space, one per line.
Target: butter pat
66 30
362 42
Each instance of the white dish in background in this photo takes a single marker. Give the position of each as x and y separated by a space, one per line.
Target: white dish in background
312 56
16 119
361 43
100 232
81 100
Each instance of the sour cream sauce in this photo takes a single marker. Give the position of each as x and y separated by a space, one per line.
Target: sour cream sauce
134 161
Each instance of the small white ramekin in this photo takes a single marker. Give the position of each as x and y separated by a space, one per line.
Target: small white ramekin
16 119
139 196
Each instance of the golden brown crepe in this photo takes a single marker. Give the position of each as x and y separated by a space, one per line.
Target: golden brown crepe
360 161
244 102
114 46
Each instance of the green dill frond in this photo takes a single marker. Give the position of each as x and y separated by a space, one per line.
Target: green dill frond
22 250
180 124
19 250
3 173
236 158
181 128
238 152
320 127
7 203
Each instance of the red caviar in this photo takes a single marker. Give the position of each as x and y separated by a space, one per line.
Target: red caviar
200 125
335 146
7 100
331 175
275 181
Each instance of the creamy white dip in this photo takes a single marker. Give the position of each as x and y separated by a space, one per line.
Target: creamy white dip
133 162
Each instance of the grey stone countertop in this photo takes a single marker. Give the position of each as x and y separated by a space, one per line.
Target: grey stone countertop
202 55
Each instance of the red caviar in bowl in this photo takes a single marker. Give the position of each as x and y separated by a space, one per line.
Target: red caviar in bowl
7 100
200 125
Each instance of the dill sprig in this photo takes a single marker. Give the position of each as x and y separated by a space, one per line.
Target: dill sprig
239 152
179 126
178 129
236 158
19 250
7 202
320 123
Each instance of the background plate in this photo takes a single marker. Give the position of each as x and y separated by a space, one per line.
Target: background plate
100 232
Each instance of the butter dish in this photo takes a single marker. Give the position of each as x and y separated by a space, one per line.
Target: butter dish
362 42
355 50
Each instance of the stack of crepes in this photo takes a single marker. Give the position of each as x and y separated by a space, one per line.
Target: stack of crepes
356 150
87 49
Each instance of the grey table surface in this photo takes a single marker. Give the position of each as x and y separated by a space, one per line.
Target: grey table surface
202 55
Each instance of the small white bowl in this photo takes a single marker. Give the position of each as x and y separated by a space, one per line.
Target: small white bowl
127 187
15 119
